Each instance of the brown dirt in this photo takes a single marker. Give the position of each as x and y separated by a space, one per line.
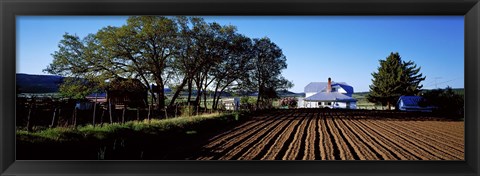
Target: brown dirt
313 134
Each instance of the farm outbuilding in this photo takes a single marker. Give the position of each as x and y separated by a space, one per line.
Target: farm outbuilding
129 92
413 103
329 95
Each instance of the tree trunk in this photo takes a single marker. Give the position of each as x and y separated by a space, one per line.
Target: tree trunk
149 112
101 117
189 86
220 93
161 100
94 109
258 100
177 92
110 111
205 100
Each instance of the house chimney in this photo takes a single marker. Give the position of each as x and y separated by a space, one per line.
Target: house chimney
329 86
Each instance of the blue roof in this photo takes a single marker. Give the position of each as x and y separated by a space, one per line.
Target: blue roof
346 87
321 86
330 96
410 100
99 95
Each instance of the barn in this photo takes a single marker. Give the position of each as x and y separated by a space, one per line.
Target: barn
413 103
127 92
329 95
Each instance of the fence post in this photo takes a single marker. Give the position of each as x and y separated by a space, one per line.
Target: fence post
149 112
123 113
166 116
74 116
53 118
30 114
138 113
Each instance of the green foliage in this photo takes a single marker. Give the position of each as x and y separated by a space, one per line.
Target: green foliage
266 75
446 100
172 51
187 110
76 88
154 126
394 79
247 100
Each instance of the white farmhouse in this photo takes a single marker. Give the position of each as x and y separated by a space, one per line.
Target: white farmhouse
329 95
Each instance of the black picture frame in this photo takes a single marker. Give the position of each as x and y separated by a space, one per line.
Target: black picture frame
470 9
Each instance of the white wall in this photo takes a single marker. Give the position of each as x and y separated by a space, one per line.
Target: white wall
231 103
340 105
343 105
300 103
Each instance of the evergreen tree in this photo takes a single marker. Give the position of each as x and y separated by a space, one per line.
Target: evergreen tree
394 79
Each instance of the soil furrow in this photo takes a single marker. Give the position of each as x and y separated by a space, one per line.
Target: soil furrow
276 147
322 134
259 149
311 139
240 131
222 146
297 146
363 151
442 150
344 151
331 150
420 150
382 151
236 150
394 146
289 139
432 128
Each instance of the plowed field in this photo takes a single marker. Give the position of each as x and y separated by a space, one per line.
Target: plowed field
314 134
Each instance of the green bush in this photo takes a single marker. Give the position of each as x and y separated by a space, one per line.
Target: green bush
153 126
446 100
187 110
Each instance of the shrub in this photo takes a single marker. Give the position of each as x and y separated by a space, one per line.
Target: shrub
446 100
291 102
187 111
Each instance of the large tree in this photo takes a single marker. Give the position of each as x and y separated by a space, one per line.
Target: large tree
394 79
266 76
174 51
236 59
142 49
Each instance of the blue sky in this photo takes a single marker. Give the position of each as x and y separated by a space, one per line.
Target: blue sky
345 48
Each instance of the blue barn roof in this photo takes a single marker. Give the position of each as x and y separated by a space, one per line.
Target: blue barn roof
410 100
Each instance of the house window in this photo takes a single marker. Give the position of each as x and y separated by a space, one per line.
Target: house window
334 89
329 103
